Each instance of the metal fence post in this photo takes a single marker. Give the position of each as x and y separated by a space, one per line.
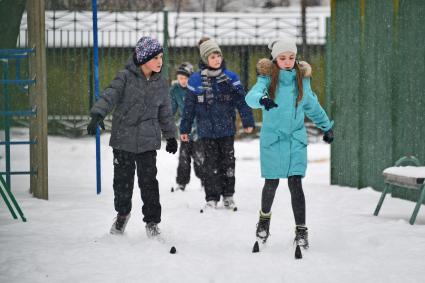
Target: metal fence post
7 122
166 59
96 91
328 62
244 60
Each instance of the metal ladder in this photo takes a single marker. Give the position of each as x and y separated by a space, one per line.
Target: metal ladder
6 55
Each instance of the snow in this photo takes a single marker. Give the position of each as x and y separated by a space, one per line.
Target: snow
407 171
66 239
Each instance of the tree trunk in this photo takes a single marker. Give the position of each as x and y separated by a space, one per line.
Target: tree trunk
11 12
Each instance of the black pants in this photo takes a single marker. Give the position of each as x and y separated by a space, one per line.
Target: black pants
125 164
219 167
297 197
188 151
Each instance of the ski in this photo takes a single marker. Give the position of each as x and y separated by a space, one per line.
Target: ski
259 245
234 209
256 247
177 188
160 239
298 253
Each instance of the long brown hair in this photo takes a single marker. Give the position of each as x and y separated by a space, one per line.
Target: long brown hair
275 81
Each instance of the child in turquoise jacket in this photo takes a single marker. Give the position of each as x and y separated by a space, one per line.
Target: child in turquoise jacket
284 94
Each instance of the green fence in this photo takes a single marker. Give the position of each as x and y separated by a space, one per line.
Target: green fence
69 55
375 88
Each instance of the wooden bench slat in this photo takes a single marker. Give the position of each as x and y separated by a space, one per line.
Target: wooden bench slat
403 181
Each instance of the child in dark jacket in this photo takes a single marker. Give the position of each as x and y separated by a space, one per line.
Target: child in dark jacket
191 149
139 97
215 93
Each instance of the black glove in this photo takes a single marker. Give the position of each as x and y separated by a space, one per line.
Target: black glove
328 136
267 102
96 119
171 145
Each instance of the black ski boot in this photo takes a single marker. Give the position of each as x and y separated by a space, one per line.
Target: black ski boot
120 222
152 230
263 226
178 187
301 236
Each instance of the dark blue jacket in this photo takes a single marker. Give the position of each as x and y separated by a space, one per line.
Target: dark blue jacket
215 116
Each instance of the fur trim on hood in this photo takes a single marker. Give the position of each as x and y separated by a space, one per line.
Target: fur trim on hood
264 67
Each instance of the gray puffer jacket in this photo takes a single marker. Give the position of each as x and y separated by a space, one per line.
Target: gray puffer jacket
142 109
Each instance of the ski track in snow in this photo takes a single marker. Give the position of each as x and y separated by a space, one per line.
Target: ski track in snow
66 239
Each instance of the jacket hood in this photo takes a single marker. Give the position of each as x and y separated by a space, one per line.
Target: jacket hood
132 67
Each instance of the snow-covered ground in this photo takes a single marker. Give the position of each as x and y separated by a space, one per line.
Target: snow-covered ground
66 239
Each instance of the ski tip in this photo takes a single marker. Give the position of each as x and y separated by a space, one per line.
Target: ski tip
201 211
173 250
255 248
298 254
235 209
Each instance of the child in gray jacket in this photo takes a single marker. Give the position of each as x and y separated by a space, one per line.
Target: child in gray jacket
142 110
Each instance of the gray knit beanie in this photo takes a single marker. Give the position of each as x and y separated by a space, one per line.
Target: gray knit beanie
208 47
282 45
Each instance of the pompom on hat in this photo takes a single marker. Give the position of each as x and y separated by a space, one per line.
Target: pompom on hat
185 69
146 49
279 46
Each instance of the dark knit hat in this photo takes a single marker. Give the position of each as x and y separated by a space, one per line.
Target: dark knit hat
185 69
146 49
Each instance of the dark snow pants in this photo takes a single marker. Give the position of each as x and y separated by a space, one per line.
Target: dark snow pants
188 151
219 167
297 197
125 164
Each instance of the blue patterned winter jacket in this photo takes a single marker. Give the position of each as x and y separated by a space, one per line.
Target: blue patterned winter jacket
215 116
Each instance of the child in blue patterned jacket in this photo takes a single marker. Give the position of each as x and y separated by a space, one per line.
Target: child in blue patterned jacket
215 94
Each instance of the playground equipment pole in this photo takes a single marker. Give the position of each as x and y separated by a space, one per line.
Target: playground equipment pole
96 92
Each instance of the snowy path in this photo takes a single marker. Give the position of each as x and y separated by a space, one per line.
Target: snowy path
66 238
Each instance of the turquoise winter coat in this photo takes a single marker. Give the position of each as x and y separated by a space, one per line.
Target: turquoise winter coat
283 137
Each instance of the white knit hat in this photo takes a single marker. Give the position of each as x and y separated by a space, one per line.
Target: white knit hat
278 46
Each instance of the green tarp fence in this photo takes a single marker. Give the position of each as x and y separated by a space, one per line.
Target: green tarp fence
375 88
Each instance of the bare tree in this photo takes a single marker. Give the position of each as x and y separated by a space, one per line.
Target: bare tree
219 5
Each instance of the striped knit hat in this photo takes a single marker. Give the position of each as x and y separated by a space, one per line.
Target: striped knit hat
208 47
146 49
